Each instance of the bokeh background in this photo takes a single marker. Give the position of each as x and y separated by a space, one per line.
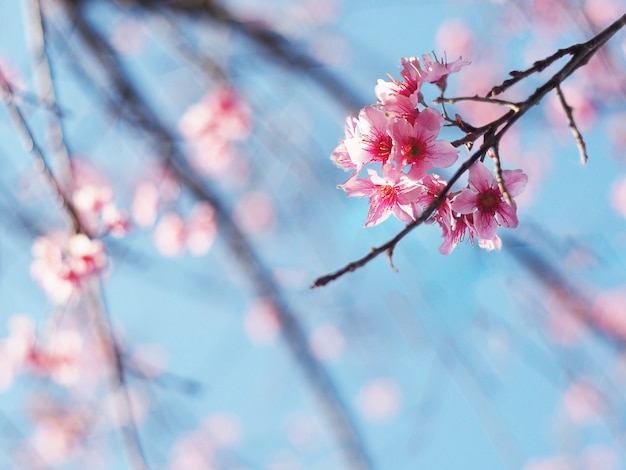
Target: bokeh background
477 360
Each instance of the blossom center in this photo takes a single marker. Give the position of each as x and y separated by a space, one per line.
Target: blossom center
488 201
412 150
379 147
388 193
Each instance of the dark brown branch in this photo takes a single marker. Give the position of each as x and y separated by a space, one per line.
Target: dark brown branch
581 53
580 142
537 67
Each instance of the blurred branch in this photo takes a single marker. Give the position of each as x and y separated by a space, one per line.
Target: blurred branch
45 87
280 49
30 145
576 303
493 132
143 119
132 441
119 386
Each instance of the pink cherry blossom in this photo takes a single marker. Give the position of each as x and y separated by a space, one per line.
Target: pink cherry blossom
437 72
340 156
410 84
483 199
393 193
416 144
374 142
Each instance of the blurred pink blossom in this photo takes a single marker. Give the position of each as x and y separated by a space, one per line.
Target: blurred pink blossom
379 400
62 264
327 342
261 322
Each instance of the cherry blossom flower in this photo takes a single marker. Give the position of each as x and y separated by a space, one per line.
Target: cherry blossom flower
415 144
374 142
437 72
483 199
392 193
341 156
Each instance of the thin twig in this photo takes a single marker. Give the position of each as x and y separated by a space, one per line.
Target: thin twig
580 142
537 67
478 99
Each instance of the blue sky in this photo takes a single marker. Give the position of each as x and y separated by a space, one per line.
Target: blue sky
464 339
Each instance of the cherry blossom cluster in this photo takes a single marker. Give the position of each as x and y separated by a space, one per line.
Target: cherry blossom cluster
395 142
63 264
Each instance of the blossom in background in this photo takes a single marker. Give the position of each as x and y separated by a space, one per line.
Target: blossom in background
63 264
484 200
392 193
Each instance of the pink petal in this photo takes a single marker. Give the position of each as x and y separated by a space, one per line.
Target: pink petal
485 225
403 213
480 178
465 203
358 187
507 215
514 181
429 122
379 211
442 154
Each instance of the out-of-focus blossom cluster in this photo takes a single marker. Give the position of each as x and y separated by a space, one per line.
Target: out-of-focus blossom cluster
395 141
93 198
63 264
173 234
56 356
212 127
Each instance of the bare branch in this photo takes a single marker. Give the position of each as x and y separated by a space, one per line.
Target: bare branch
580 142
